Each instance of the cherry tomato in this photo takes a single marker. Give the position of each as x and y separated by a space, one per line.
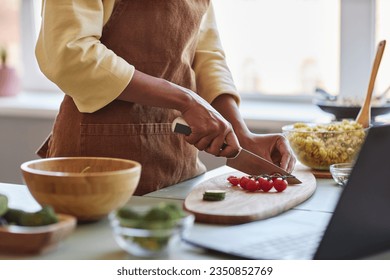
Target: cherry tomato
252 185
243 182
279 184
234 180
265 184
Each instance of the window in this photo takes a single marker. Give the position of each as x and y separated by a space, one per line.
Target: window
273 47
32 77
281 46
9 31
383 32
19 26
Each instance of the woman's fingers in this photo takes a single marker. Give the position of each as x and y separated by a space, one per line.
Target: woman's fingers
218 144
231 146
287 160
213 135
210 131
203 143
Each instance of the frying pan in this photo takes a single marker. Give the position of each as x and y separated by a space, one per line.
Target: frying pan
350 112
328 104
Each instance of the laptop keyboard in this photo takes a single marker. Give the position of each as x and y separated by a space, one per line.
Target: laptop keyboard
291 246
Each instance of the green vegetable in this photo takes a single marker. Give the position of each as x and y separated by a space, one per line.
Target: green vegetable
128 217
152 243
3 204
173 210
12 216
127 213
163 216
45 216
214 195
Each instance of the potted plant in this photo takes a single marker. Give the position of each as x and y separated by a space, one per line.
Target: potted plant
9 82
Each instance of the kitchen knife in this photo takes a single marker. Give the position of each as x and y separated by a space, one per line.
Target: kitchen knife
245 160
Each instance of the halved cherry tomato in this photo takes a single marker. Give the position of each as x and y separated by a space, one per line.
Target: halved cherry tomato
234 180
279 184
265 184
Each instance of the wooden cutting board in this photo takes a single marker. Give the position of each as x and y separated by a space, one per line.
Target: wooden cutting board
240 206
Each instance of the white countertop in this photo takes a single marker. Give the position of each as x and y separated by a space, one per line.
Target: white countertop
94 241
86 241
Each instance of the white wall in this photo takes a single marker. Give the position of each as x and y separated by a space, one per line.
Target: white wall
19 139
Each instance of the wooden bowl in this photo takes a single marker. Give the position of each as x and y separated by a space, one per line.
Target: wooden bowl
35 240
85 187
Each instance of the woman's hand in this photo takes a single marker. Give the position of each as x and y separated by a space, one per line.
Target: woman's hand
273 147
210 132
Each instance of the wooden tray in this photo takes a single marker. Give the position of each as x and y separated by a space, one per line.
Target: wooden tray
34 240
321 174
240 206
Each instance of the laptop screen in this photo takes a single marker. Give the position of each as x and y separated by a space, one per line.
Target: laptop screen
360 225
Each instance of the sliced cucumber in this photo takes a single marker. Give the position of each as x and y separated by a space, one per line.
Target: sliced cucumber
214 195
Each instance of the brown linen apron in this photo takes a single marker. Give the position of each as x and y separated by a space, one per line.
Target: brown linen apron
159 38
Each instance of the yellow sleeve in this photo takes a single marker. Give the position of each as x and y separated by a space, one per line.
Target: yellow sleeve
213 76
70 54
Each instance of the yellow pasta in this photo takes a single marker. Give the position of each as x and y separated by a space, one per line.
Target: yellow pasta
318 146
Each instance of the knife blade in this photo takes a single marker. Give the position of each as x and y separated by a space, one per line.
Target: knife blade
245 161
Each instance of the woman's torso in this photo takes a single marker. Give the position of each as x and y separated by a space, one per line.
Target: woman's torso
159 38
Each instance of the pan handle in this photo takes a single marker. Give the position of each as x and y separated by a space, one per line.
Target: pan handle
326 94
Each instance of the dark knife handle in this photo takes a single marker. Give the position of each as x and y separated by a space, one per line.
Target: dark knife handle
180 126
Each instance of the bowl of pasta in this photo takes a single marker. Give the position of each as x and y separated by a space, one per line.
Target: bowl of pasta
318 146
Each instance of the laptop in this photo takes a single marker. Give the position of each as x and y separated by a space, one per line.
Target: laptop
358 227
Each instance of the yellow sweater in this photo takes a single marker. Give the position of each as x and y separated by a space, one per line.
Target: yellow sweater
70 54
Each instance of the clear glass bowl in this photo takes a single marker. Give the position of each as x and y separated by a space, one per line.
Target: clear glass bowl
152 242
318 146
340 172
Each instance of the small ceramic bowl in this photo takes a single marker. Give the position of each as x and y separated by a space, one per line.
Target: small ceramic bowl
340 172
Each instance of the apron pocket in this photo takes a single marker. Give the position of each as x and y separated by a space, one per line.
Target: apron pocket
117 140
165 157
